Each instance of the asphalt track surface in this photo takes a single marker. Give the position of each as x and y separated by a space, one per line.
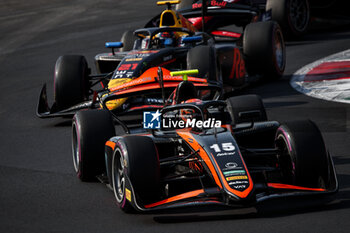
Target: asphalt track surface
38 188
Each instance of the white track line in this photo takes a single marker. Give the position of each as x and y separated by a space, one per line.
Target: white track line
331 90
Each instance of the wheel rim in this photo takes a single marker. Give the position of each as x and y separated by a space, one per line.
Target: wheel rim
75 149
279 50
299 14
118 176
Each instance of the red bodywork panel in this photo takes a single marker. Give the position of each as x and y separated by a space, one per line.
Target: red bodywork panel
226 34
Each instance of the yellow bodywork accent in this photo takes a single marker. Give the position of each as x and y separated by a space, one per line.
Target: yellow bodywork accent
184 73
178 23
114 104
159 3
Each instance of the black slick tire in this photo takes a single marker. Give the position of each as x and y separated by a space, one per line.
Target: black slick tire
184 4
71 84
203 58
246 103
90 131
264 50
303 156
292 15
139 162
128 39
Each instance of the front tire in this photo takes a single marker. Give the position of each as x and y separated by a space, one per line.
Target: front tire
135 158
71 84
91 130
264 49
303 157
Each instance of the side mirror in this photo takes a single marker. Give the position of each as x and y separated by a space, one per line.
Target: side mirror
184 73
114 45
192 39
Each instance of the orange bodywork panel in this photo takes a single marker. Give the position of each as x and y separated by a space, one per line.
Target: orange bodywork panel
186 135
177 198
153 86
150 75
110 144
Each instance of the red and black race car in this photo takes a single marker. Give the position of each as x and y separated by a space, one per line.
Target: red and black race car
292 15
226 60
201 152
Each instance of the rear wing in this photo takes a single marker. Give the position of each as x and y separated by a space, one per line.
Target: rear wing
225 13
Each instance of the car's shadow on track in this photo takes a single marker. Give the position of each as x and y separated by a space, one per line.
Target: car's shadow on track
275 208
269 88
323 31
64 123
269 209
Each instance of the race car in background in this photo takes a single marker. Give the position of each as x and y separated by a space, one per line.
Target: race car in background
243 160
226 63
292 15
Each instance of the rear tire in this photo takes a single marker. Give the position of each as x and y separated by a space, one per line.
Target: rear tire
139 161
91 130
184 4
245 103
264 49
203 58
292 15
71 84
303 156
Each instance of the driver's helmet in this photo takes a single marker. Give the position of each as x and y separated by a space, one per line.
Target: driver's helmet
166 39
189 113
194 100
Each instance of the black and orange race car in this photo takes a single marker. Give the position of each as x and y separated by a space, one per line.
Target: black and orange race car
226 62
200 152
